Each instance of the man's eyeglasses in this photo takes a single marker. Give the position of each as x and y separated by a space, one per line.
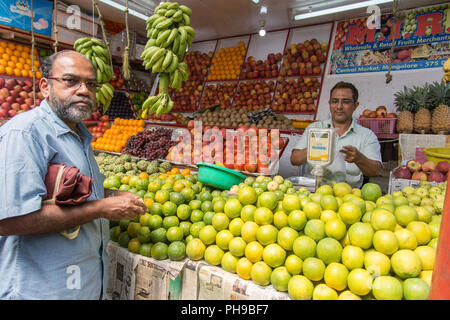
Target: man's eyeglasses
345 102
75 83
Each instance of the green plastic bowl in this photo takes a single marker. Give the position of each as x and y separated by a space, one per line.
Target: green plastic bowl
218 176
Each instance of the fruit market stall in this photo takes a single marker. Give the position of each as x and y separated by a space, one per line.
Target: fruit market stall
262 237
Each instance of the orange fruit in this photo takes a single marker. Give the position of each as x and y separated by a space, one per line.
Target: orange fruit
9 70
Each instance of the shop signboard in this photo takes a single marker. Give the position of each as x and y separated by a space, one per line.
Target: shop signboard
422 40
17 14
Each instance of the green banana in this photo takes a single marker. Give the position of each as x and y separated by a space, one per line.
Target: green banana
155 33
100 63
157 67
186 19
99 76
151 20
176 79
171 38
163 5
94 62
157 21
167 59
170 13
172 5
79 42
164 24
189 30
169 107
161 11
109 89
146 104
182 50
185 10
173 64
155 105
178 15
162 37
176 43
149 102
97 42
147 54
157 55
183 34
150 43
106 106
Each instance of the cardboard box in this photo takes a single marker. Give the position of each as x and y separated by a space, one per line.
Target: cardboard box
69 36
65 15
398 184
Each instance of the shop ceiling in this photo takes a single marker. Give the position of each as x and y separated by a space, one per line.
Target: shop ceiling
214 19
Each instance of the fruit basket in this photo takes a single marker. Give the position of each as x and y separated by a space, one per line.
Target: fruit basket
378 125
218 176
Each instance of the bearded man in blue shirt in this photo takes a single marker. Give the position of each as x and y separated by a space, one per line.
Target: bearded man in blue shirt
36 261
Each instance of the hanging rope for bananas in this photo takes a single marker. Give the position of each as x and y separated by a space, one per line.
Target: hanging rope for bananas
102 25
126 62
55 16
394 34
33 67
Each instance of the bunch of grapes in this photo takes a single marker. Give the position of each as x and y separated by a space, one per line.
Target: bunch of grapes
150 144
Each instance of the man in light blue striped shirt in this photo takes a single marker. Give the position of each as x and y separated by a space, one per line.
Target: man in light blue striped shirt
36 261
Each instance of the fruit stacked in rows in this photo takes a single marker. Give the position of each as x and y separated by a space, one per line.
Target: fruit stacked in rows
218 93
169 34
128 166
198 64
151 144
261 69
427 171
98 53
115 138
16 96
296 95
188 96
15 60
99 129
255 94
304 58
257 153
336 243
226 63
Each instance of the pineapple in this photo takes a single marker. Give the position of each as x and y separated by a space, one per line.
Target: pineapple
422 118
440 98
406 105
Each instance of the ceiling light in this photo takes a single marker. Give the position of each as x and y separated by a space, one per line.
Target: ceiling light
122 8
339 9
262 31
255 1
263 10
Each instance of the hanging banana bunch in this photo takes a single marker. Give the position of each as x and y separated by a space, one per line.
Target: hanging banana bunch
97 52
169 34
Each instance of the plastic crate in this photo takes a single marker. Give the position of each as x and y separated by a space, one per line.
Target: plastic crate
378 126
